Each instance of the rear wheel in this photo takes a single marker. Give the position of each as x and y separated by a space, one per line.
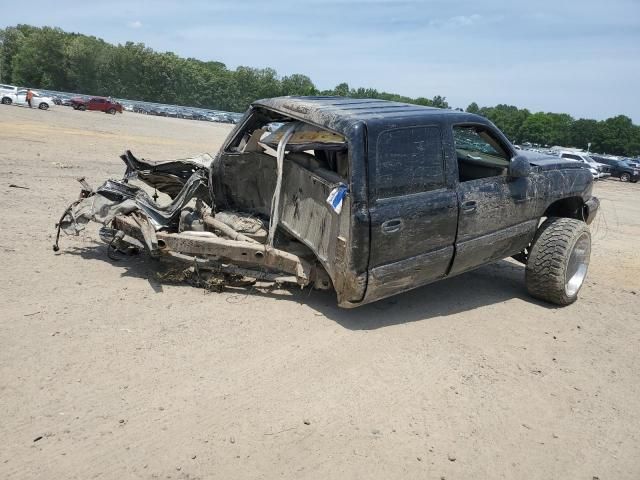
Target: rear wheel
112 111
559 260
43 106
6 101
625 177
82 108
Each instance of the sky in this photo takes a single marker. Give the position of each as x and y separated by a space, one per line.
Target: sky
580 57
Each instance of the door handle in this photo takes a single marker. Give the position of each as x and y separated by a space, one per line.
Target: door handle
392 226
470 206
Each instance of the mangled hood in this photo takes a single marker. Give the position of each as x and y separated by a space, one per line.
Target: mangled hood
549 162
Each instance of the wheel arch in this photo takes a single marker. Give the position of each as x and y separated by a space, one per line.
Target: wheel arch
570 207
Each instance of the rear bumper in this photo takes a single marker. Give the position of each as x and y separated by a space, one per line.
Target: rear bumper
591 208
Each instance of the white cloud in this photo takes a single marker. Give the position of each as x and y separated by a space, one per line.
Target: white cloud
457 21
135 24
463 20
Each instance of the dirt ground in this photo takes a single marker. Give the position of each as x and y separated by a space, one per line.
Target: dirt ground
106 373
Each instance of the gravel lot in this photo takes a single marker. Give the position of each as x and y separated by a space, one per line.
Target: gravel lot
106 373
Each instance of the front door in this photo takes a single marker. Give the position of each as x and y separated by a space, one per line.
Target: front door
96 104
413 212
497 213
21 97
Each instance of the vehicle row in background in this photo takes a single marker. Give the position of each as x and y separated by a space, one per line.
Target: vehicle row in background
111 105
150 108
13 95
600 165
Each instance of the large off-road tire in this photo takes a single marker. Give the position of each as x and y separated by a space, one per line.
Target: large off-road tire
625 177
559 260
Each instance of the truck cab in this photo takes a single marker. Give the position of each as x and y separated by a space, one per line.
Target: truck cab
432 193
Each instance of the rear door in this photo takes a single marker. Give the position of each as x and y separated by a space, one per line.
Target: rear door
413 212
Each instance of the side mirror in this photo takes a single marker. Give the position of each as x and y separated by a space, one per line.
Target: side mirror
519 167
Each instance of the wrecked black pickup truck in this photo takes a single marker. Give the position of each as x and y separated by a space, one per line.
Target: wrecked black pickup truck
368 197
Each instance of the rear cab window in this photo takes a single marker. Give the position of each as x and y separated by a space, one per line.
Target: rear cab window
409 160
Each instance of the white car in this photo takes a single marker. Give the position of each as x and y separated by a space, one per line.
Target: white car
598 170
7 89
7 94
19 97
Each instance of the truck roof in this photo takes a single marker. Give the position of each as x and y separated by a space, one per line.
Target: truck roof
338 113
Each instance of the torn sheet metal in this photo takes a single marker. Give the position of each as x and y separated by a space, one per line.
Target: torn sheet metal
166 176
118 198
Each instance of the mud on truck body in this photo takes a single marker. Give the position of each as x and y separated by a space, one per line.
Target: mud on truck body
368 197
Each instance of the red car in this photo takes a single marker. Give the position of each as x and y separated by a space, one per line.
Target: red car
101 104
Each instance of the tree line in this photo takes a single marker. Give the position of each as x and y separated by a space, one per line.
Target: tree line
53 59
616 135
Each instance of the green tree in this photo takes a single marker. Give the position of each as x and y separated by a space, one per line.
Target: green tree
83 59
39 60
473 108
584 131
614 134
440 102
546 128
298 84
508 118
342 90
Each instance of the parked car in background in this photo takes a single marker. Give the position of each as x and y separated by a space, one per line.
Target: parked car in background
621 169
635 162
598 170
7 94
19 97
4 89
100 104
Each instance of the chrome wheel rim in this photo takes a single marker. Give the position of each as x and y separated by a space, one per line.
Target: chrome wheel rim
578 265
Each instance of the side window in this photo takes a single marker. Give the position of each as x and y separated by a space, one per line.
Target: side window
570 157
409 160
480 154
